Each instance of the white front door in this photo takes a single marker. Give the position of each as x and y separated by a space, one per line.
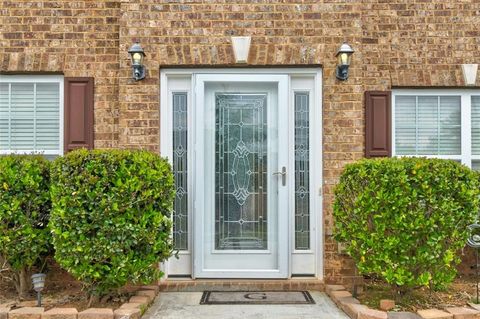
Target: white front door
241 189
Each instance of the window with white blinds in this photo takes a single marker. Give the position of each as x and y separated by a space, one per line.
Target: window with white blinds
31 110
437 123
476 132
428 125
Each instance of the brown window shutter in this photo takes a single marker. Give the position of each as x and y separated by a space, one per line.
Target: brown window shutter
78 107
378 124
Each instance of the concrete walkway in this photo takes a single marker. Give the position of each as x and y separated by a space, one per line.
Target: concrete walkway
186 305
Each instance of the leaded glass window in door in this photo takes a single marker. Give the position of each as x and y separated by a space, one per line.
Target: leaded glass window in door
241 148
180 206
302 171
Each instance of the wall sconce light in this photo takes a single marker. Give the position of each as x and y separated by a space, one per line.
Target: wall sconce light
470 73
241 47
38 281
137 54
344 56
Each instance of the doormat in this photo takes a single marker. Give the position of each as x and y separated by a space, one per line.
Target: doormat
256 298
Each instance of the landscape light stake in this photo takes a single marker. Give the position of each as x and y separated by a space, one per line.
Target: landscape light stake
474 242
476 269
354 288
38 281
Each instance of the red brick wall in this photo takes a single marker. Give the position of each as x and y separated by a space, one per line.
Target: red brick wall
397 43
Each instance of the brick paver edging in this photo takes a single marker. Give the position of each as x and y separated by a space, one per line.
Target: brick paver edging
352 307
133 309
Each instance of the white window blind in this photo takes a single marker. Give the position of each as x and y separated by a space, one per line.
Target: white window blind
476 125
427 125
30 117
476 165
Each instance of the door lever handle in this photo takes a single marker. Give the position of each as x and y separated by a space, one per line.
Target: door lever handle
283 173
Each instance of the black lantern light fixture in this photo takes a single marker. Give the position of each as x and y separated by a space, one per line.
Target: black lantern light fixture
344 56
137 54
38 281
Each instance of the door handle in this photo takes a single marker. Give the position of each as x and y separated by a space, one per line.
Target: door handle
283 173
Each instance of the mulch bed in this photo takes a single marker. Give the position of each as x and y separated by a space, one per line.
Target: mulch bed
61 290
459 293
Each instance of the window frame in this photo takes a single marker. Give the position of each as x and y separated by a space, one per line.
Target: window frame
34 79
465 95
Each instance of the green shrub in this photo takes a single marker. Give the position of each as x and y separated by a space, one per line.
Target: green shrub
24 210
111 216
405 219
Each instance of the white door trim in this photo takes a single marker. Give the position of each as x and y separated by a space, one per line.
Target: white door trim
188 77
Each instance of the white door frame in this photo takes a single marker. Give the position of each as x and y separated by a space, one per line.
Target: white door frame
186 77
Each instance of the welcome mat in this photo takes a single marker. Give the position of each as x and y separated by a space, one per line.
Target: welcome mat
256 298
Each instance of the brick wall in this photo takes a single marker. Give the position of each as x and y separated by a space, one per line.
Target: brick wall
76 38
397 43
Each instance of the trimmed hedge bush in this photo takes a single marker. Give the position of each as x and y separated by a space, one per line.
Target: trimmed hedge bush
24 210
111 216
405 219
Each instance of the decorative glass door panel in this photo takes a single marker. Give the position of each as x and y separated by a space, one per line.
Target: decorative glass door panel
243 220
241 215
